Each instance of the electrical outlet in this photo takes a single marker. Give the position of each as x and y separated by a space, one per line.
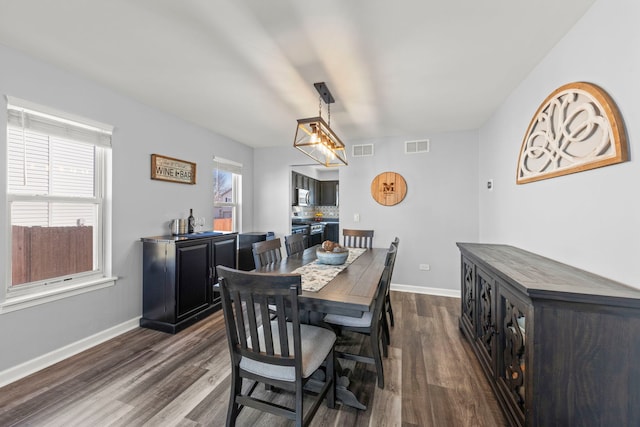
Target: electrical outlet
490 185
424 267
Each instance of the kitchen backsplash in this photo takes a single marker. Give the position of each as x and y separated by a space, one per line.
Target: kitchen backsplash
311 211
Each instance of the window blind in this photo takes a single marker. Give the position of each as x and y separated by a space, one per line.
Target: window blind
37 118
227 165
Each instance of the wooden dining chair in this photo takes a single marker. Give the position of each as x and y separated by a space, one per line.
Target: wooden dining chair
371 323
357 238
281 352
295 243
388 308
266 252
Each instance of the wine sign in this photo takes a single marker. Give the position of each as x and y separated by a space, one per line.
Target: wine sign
388 188
174 170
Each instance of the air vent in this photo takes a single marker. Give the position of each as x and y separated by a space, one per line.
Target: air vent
362 150
413 147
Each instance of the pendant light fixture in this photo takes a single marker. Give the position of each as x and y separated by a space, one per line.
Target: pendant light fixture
315 138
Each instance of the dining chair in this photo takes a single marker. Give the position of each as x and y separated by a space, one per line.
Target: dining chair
388 308
295 243
352 238
281 352
266 252
371 323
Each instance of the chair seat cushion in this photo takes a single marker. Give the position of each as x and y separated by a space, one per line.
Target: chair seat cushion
355 322
316 343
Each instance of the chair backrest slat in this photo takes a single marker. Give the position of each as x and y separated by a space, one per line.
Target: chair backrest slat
253 324
266 323
357 238
395 243
378 309
239 319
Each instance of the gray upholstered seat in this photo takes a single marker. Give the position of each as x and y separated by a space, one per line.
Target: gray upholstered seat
316 343
356 322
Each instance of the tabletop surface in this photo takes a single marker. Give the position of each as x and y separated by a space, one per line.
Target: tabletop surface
351 292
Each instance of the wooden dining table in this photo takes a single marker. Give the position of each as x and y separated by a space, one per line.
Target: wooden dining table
351 293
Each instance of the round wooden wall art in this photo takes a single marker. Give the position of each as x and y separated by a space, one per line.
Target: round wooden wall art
388 188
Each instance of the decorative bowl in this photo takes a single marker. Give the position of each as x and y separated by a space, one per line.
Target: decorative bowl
332 258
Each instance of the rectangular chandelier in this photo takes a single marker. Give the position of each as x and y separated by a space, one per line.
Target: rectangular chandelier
315 138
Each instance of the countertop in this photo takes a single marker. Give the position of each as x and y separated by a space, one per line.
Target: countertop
309 221
182 237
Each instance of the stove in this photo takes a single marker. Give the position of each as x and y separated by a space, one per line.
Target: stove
316 229
316 234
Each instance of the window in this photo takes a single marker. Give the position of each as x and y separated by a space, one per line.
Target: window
58 170
227 184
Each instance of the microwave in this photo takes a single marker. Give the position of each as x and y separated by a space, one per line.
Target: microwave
303 197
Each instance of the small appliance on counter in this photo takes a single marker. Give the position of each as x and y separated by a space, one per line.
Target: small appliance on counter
178 226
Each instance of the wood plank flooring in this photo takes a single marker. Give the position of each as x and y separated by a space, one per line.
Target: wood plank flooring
149 378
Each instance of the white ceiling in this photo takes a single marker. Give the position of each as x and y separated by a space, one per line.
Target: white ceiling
246 68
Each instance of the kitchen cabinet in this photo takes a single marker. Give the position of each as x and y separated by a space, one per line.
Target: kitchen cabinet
177 279
304 182
558 345
321 193
331 232
328 193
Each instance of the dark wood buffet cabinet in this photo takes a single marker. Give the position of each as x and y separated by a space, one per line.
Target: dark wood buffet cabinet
559 346
178 277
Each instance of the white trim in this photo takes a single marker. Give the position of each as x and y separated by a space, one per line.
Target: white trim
59 115
453 293
27 368
32 299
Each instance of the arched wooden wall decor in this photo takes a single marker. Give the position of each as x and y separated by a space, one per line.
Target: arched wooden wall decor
388 188
578 127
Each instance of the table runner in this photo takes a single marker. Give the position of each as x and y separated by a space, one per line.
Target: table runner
315 275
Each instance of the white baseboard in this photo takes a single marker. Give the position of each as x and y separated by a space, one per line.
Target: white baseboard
453 293
29 367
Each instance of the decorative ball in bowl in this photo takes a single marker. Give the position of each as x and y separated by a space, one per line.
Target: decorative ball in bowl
335 257
332 253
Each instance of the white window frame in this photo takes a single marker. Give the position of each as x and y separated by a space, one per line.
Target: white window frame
52 122
236 190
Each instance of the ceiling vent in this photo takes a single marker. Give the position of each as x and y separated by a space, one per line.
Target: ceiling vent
413 147
362 150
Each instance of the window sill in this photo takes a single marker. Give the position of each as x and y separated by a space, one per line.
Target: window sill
25 301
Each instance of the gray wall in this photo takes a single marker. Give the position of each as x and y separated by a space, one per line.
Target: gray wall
141 207
441 206
590 219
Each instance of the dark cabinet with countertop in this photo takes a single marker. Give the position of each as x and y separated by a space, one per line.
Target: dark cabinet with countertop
178 274
559 345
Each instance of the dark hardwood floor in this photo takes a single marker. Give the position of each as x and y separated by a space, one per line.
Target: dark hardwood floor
145 377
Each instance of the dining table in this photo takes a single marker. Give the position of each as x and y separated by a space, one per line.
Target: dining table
351 292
